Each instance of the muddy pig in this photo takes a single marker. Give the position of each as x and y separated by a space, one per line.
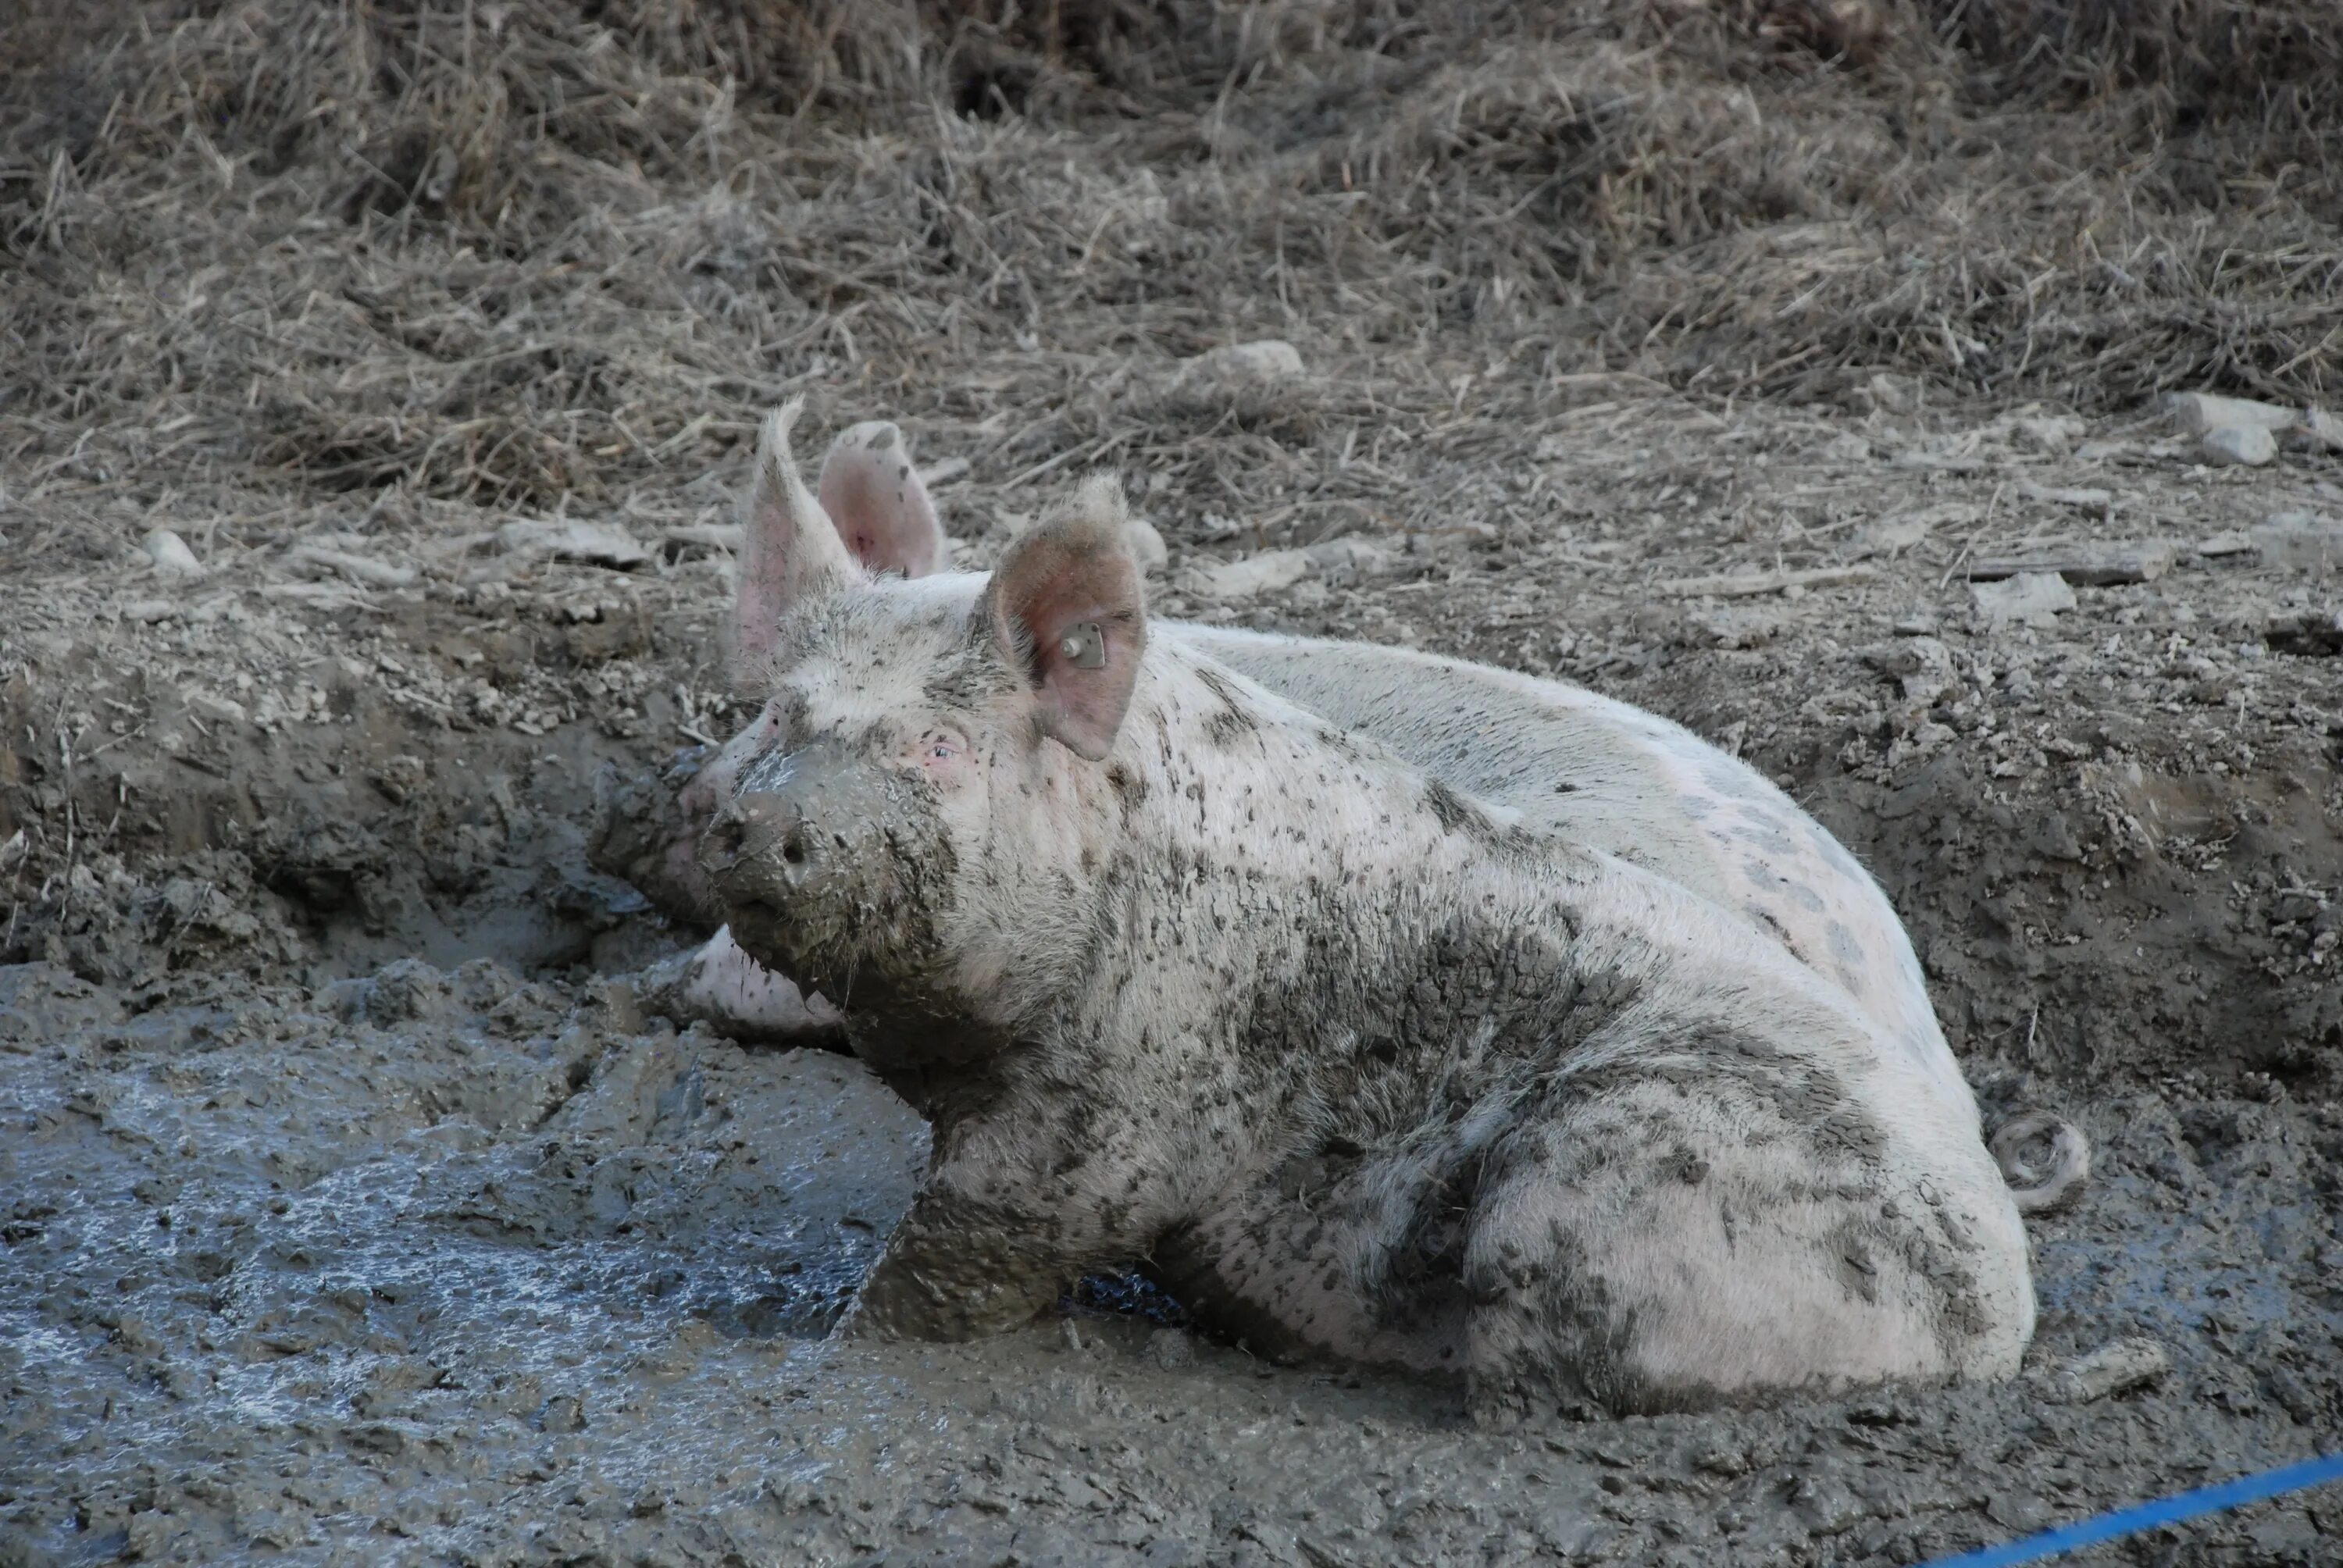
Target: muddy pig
1361 1068
1597 772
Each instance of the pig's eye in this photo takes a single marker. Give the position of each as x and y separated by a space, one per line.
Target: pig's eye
940 748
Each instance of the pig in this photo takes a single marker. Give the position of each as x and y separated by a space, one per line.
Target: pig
1597 772
1363 1065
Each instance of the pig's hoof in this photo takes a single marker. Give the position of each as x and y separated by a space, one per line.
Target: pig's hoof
1499 1403
943 1298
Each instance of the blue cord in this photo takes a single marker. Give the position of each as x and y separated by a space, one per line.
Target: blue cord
2149 1515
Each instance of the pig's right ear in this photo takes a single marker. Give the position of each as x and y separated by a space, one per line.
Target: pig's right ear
1064 609
791 550
872 493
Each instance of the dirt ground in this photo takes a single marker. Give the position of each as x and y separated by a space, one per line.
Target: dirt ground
357 1204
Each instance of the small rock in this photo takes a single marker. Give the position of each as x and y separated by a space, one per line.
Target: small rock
2202 413
1249 577
2222 546
1910 655
2055 433
1731 625
1251 379
1171 1349
1914 626
149 610
1350 556
1825 1505
2014 1512
1071 1336
1889 394
2089 497
2318 432
1722 1456
1893 536
1147 544
597 544
2029 599
146 1535
2301 540
359 569
2247 445
1850 447
2112 1369
171 555
1269 359
1922 666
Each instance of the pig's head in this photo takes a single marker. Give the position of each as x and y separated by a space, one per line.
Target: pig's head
887 523
924 811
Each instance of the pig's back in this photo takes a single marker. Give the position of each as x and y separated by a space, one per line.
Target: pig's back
1617 779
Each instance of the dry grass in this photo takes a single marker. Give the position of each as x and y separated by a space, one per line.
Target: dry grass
525 254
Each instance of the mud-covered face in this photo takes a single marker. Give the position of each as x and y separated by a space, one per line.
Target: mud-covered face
837 847
914 830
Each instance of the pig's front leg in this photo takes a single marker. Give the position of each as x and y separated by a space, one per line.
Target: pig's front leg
990 1242
955 1270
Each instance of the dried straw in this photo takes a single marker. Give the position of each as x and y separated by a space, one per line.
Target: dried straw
529 253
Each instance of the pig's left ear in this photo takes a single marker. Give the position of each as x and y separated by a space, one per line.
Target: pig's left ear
1065 607
790 551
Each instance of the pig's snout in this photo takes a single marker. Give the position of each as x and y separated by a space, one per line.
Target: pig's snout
827 869
803 831
757 845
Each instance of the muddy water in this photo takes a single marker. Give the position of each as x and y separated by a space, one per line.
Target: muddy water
447 1267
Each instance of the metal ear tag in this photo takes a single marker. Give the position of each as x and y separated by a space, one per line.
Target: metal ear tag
1084 645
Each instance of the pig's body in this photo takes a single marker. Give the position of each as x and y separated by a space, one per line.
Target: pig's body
1606 776
1555 757
1182 971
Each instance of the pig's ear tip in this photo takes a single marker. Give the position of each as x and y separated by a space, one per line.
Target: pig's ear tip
1100 497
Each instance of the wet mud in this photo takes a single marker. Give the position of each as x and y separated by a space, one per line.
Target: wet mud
357 1209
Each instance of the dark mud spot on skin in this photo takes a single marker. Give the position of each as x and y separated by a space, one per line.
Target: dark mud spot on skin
1684 1165
1844 949
1762 874
1773 924
1339 743
1130 788
1456 814
1767 833
1233 720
